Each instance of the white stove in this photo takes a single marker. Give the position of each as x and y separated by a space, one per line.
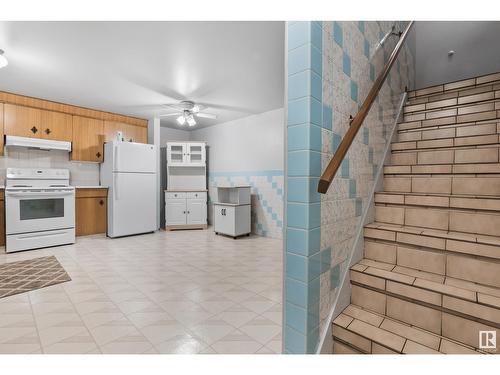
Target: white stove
39 208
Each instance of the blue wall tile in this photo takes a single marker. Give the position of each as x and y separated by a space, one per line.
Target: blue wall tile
372 72
352 188
303 189
316 112
298 111
354 91
361 26
296 266
316 86
344 168
303 216
367 49
304 163
296 292
295 342
326 258
316 35
336 141
296 318
299 59
337 34
327 117
304 137
298 85
346 64
303 242
299 33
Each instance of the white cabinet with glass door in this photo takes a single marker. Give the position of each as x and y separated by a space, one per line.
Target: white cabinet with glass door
186 193
189 153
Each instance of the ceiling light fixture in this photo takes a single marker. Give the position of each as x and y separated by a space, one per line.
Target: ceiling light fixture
3 60
191 121
181 120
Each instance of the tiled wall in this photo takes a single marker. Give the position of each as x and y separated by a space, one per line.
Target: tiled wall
267 197
80 173
331 67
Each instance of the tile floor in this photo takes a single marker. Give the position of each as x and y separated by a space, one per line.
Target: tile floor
167 292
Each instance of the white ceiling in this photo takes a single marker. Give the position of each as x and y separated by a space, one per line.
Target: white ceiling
237 68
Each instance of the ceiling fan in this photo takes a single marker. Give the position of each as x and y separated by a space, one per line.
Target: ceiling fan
187 111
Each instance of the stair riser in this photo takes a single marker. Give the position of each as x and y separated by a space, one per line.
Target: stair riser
427 318
424 134
452 111
439 201
446 143
443 169
424 239
489 94
452 220
417 122
450 185
446 157
460 88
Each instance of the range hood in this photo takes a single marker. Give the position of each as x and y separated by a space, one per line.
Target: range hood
37 143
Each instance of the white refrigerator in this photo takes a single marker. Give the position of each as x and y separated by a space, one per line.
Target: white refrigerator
129 172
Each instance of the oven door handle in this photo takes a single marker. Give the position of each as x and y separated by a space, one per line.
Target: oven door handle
39 194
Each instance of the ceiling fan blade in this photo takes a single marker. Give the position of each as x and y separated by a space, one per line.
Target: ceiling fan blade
171 114
226 107
206 115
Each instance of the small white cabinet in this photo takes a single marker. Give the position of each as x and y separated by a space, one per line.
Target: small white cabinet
232 211
186 153
185 209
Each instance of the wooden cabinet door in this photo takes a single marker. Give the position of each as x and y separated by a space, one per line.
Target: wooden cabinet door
2 218
88 139
141 134
91 215
131 133
22 121
56 126
1 129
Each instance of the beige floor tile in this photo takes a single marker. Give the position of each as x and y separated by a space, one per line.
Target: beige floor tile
261 329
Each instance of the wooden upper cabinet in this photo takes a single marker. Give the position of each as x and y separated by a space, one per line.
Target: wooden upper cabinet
22 121
1 129
56 126
88 139
37 123
131 133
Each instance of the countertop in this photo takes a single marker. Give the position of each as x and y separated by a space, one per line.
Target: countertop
184 190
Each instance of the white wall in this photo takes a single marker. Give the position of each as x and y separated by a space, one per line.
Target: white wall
475 44
171 135
248 144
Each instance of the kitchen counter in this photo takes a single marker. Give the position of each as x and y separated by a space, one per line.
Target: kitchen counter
184 190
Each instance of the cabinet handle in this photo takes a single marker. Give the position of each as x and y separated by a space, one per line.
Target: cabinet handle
47 131
222 212
189 212
183 212
34 129
101 202
98 154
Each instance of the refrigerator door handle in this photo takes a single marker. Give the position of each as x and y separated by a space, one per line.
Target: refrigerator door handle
115 185
117 157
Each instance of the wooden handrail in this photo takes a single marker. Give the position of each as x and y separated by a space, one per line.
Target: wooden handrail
334 164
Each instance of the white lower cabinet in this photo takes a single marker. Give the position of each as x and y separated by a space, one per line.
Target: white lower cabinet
185 209
232 219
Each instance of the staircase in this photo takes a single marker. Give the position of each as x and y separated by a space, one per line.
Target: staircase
430 277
